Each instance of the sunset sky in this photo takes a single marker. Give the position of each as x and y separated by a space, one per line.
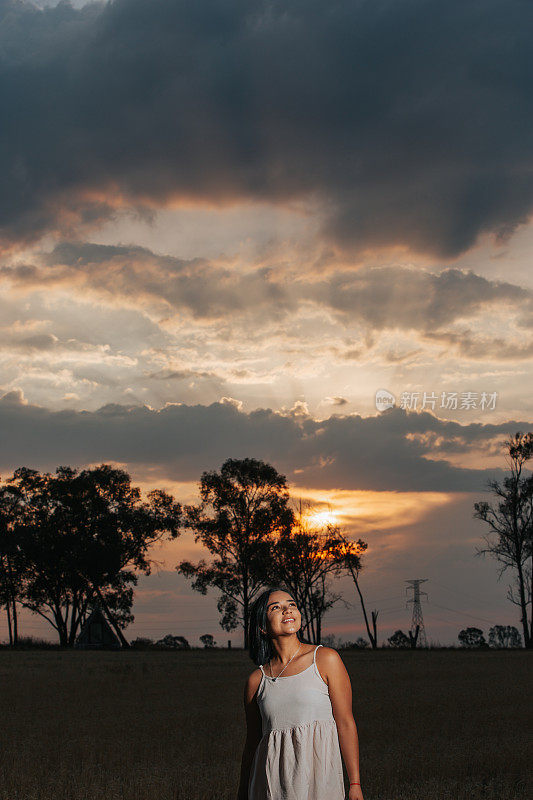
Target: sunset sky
226 224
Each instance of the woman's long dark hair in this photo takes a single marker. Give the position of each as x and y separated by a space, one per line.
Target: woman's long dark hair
260 644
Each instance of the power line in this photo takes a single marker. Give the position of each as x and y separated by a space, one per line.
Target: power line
384 600
458 591
464 613
446 621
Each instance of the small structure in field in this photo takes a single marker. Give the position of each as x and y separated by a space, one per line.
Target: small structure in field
97 633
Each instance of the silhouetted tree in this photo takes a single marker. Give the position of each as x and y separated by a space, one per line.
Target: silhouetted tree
350 556
76 534
11 509
472 637
511 519
303 558
399 640
413 637
142 643
241 506
207 640
504 636
173 642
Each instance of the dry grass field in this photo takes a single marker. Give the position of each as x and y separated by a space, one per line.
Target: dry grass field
433 725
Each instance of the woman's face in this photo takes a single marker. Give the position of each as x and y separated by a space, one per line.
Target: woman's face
282 614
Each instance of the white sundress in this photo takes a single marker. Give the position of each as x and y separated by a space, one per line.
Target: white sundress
298 756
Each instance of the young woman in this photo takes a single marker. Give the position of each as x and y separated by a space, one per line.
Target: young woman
298 708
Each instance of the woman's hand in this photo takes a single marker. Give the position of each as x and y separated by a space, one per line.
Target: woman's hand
355 792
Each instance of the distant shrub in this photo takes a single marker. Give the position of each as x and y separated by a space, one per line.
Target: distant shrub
332 641
504 636
30 643
399 640
472 638
359 644
142 643
170 642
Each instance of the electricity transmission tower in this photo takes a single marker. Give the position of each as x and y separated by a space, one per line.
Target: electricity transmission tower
417 611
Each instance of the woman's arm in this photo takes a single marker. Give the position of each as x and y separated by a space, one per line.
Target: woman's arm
253 731
334 673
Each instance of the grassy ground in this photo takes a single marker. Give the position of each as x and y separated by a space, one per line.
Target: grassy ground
433 725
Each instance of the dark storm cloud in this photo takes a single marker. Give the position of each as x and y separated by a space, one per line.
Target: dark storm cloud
468 345
405 120
379 297
392 451
411 299
136 275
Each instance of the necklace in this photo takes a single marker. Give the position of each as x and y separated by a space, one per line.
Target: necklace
284 668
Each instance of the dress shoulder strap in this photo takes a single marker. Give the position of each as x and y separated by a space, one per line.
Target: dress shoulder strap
261 668
315 667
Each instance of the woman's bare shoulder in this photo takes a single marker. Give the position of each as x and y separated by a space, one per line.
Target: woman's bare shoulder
328 656
329 662
252 683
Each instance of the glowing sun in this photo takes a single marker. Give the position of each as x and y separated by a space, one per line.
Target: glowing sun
323 518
